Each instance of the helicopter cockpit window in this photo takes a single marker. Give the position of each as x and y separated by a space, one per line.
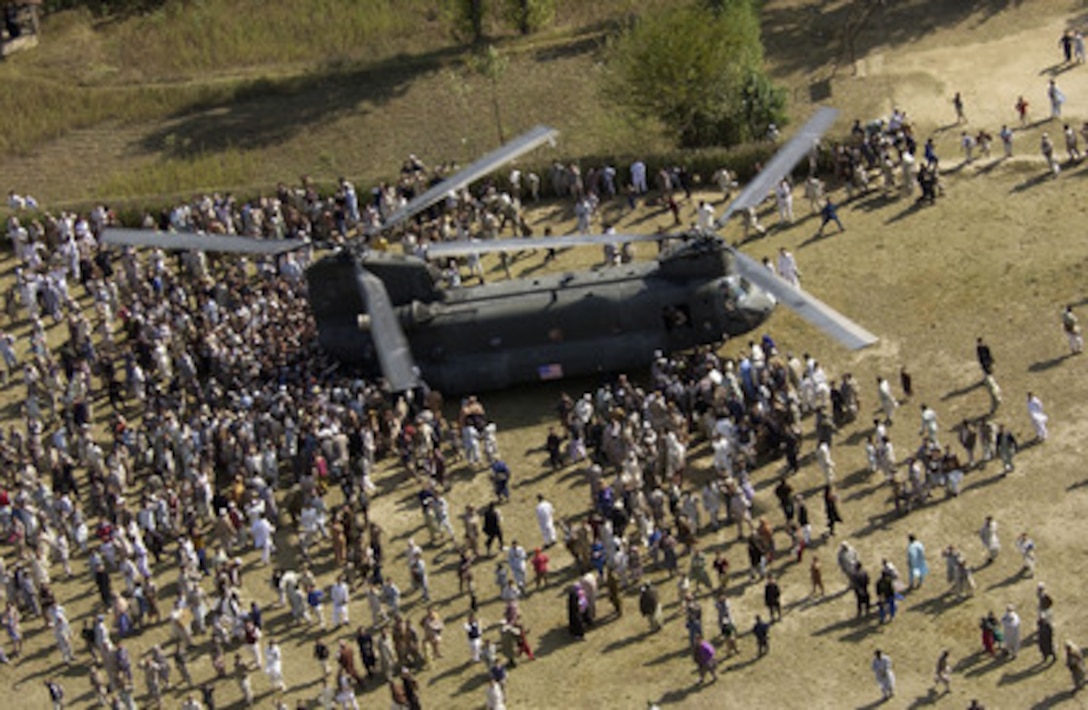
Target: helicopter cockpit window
676 317
733 291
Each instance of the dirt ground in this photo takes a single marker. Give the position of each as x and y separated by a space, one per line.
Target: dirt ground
998 256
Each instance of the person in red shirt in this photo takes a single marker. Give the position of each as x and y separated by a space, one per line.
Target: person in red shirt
540 567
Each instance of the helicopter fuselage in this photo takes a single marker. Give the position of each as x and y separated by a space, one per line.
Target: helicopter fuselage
544 327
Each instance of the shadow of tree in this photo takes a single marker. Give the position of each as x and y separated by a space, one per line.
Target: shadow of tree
807 40
269 111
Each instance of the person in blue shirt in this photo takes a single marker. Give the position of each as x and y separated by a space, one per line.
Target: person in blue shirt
830 213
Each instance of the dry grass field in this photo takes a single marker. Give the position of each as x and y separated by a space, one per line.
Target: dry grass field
998 256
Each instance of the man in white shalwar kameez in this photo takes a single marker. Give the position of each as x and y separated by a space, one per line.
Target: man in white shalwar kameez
887 401
786 268
341 597
1010 624
545 518
273 666
263 532
1038 416
885 676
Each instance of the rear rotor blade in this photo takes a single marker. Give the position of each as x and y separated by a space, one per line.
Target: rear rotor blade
493 160
199 241
458 248
781 164
812 309
394 354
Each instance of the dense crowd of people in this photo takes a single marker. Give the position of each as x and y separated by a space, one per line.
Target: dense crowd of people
176 412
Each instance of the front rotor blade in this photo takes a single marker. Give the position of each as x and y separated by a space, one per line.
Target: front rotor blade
458 248
781 164
847 332
394 354
199 241
485 165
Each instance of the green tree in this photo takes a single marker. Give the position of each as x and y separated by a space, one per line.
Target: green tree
529 16
491 64
468 18
699 71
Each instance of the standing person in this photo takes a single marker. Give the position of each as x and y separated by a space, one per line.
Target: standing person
540 561
814 193
1026 546
957 103
985 357
786 267
772 596
988 534
968 142
649 605
831 508
1022 110
1071 328
704 658
1074 661
860 584
273 666
784 197
1010 624
241 675
1046 146
762 631
1006 446
726 627
885 676
1071 148
56 693
492 527
929 427
917 568
1006 140
1038 417
495 698
1066 43
887 399
545 519
816 575
475 635
829 213
1056 98
1044 634
943 675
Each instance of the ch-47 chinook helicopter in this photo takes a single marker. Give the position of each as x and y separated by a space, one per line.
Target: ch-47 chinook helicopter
389 314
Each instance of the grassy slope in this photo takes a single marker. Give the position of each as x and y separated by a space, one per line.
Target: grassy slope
188 97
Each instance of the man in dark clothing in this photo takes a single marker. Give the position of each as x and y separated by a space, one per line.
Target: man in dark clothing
985 357
772 595
492 527
762 632
860 585
829 213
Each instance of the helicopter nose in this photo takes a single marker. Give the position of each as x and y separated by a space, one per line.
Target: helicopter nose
756 306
